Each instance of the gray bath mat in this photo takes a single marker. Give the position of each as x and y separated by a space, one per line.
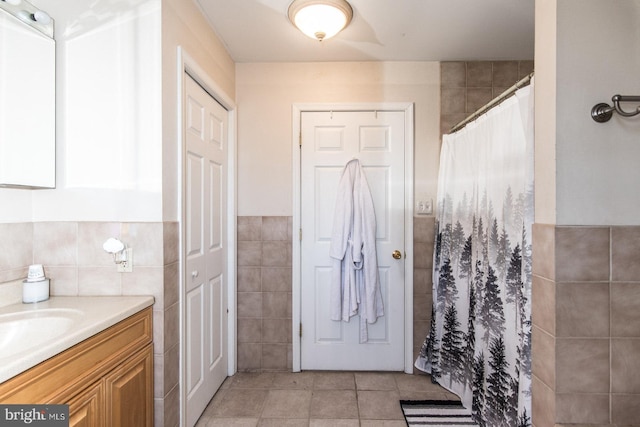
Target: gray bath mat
436 413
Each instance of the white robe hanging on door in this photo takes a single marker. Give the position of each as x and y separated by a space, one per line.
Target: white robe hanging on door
355 283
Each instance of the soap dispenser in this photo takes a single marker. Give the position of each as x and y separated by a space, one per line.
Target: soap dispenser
36 287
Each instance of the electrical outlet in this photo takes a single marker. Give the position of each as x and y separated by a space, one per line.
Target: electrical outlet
127 265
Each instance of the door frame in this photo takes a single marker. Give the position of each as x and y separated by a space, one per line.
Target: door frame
297 110
188 65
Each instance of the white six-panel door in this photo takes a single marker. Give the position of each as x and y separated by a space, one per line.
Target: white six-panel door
330 140
205 298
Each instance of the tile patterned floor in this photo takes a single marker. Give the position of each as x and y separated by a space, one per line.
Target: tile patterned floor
317 399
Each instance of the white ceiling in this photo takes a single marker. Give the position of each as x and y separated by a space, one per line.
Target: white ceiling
381 30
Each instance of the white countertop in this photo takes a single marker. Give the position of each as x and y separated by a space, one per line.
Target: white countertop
90 315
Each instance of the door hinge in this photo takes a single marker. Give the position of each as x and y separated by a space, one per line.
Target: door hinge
300 234
300 329
300 139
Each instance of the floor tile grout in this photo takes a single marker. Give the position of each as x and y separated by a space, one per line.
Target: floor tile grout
304 399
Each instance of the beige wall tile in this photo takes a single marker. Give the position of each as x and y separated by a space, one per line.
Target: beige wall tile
543 309
543 360
91 237
275 330
624 409
525 68
625 365
424 229
171 402
249 254
505 73
158 332
277 279
582 364
16 248
543 404
420 331
171 368
250 304
544 253
146 240
171 282
249 228
274 305
249 279
275 228
274 356
582 408
63 280
625 310
582 254
171 324
249 356
447 121
422 282
144 281
249 330
55 243
158 376
453 74
276 254
625 253
582 309
479 74
422 255
452 100
99 281
13 274
422 305
171 242
477 97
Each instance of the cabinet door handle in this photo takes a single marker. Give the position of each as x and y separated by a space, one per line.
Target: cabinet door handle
195 273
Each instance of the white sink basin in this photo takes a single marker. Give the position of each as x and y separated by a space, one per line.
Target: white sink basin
32 333
21 331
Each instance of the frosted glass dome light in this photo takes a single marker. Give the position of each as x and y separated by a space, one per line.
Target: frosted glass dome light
320 19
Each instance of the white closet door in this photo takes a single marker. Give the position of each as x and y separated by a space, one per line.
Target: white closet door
206 276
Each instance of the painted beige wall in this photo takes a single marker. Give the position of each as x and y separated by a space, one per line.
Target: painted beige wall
183 25
545 111
267 91
108 94
117 65
597 55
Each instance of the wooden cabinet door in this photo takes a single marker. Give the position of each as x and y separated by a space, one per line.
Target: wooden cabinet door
129 392
87 408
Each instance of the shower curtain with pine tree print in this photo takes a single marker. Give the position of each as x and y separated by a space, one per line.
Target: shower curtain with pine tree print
479 345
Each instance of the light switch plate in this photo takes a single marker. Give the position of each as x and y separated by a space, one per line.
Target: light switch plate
424 207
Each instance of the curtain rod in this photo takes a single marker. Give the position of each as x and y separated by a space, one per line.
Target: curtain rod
498 99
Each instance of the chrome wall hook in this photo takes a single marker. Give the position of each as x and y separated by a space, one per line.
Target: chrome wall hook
603 112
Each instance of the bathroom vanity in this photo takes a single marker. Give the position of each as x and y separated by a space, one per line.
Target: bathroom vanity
106 378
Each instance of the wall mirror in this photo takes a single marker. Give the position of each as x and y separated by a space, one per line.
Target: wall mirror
27 96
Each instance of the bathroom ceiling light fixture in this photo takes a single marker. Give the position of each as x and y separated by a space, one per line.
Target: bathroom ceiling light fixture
320 19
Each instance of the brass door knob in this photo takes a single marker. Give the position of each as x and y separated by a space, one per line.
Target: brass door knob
396 254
